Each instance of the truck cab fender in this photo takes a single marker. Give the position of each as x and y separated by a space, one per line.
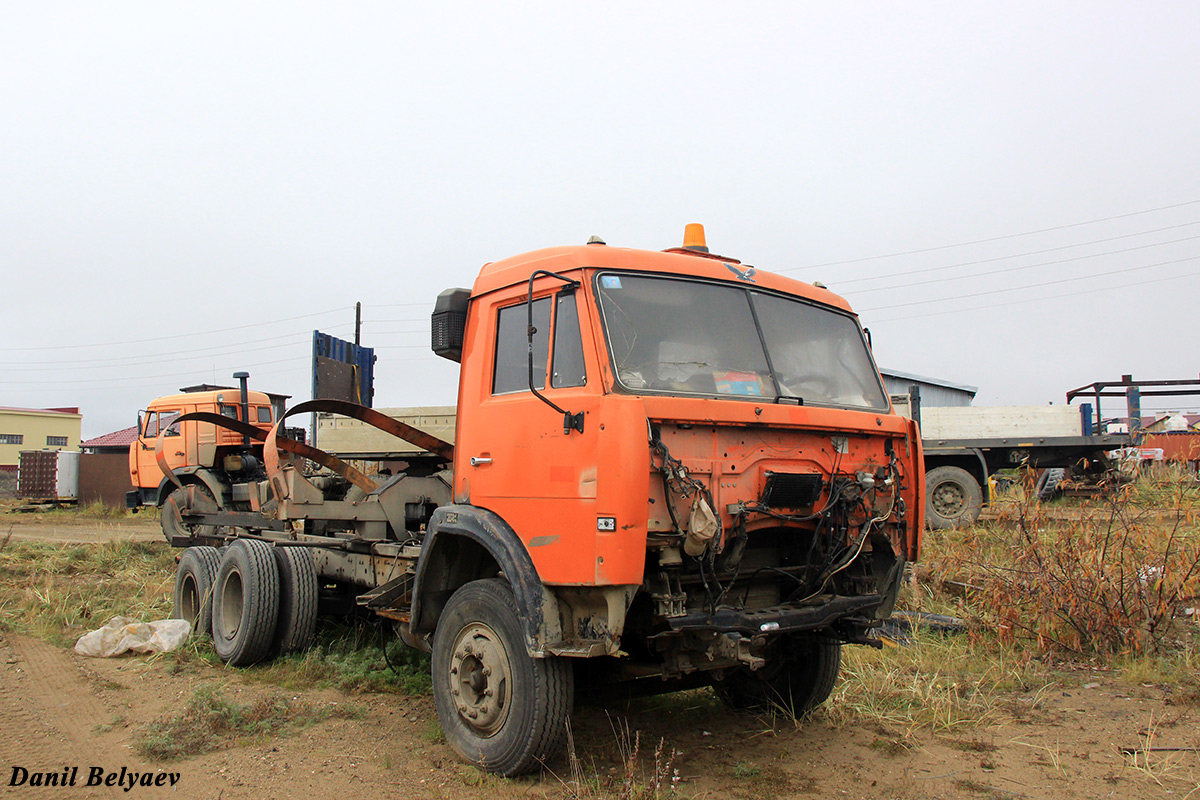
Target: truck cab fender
466 543
187 475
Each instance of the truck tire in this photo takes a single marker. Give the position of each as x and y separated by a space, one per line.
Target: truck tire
297 600
1049 483
245 603
169 516
953 498
794 684
194 579
500 708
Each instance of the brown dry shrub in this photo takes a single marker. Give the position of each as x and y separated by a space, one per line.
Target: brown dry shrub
1118 578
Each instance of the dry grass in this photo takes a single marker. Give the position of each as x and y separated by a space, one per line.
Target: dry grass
58 592
639 777
1110 585
1048 589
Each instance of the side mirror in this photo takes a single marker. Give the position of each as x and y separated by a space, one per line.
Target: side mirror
448 327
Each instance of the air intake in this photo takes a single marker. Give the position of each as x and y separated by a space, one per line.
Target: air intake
792 491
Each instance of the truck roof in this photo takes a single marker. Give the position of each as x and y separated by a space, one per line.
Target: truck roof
517 269
227 396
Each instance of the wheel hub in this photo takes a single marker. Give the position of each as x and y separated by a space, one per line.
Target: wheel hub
479 679
949 500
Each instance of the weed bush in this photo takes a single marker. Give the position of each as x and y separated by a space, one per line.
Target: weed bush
1114 579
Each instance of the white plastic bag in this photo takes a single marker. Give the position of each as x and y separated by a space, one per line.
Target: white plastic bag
123 634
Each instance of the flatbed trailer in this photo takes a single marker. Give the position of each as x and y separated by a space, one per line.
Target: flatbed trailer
965 446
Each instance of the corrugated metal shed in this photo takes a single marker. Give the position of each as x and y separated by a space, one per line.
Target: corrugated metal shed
934 391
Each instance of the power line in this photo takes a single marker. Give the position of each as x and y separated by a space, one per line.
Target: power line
153 358
1000 238
1022 301
173 336
1008 270
177 359
1033 253
1034 285
156 376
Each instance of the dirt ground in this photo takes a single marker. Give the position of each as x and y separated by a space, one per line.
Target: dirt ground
60 711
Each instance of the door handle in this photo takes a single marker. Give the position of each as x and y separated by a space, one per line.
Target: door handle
478 460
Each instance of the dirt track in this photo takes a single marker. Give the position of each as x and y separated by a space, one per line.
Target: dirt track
59 710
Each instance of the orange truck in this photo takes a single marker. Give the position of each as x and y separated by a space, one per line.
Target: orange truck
216 461
671 470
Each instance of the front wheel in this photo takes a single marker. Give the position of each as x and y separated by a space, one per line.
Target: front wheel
500 708
795 681
171 515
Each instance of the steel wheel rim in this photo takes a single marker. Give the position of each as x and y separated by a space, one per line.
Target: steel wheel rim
949 500
480 677
189 599
232 600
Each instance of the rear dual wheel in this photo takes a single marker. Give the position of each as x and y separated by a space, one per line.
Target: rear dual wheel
245 602
265 601
194 580
297 600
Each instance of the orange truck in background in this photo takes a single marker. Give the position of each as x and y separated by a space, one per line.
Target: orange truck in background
210 459
670 470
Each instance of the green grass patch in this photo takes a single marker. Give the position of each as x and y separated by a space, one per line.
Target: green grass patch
211 720
351 657
937 682
95 510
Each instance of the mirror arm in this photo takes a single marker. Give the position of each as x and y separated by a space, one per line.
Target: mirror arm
570 421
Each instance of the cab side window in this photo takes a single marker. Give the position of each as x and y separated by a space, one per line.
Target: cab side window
157 420
567 368
512 348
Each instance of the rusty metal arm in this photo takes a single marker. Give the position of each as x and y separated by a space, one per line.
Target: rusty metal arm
382 421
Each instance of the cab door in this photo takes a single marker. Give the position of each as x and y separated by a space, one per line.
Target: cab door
150 422
514 454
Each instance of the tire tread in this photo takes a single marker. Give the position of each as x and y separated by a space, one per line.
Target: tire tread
297 601
260 602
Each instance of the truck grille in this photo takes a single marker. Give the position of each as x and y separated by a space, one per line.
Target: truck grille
785 490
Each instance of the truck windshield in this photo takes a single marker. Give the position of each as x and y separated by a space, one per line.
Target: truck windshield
679 336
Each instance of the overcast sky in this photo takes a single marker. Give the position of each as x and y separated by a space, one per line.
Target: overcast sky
1008 193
